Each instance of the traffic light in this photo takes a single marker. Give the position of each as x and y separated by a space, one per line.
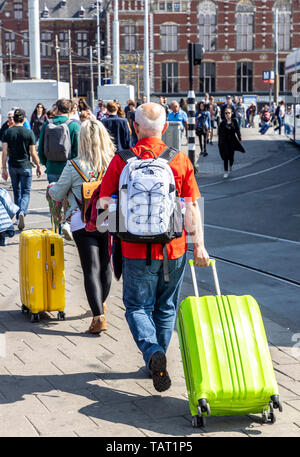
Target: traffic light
198 53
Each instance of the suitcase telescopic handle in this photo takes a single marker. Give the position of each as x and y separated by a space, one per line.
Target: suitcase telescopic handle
212 264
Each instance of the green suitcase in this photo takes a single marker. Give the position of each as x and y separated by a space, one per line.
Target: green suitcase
226 359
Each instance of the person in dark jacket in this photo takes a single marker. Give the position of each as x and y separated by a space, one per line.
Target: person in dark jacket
117 127
203 126
7 124
38 117
229 140
224 106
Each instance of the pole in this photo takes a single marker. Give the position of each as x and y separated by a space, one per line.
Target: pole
34 39
116 45
57 58
92 78
10 62
146 52
191 101
276 82
98 45
137 66
1 55
70 64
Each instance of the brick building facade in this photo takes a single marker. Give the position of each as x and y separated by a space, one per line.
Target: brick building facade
238 36
57 18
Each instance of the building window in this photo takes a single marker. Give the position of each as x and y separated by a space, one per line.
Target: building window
207 81
284 31
281 68
63 43
48 72
83 81
207 25
10 42
10 72
169 78
26 70
64 73
244 25
25 42
169 37
175 6
244 32
18 10
82 44
244 77
46 44
128 38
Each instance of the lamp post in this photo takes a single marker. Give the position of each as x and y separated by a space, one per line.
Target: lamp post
137 67
116 45
146 52
99 10
34 39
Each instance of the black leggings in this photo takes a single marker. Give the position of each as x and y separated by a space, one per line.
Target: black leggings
204 137
94 257
228 159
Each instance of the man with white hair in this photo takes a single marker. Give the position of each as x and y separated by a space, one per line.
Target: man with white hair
149 300
8 123
178 115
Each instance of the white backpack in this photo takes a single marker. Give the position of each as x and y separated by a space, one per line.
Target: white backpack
148 209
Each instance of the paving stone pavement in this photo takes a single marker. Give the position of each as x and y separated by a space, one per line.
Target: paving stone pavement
57 380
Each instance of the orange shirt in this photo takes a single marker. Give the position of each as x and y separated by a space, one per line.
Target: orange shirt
185 184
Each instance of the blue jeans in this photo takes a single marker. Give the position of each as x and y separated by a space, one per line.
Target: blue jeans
21 179
53 178
151 302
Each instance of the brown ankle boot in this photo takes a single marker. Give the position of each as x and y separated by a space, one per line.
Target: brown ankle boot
98 325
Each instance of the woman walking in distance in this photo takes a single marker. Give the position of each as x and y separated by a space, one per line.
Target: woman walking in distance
229 140
95 152
203 125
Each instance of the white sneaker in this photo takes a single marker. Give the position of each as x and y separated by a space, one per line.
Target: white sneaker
65 228
226 175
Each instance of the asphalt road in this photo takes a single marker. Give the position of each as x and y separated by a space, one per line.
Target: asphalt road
252 225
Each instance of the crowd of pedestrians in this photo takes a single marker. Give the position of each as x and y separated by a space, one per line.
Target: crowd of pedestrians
92 147
77 144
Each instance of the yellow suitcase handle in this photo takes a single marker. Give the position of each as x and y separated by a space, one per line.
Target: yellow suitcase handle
212 263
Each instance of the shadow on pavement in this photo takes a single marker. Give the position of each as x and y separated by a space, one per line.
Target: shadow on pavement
154 413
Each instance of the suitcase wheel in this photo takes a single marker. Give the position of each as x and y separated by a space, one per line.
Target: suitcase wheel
35 318
203 407
276 403
198 421
24 309
61 316
268 417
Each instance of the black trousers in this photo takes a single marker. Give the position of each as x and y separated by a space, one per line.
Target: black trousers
228 160
94 258
203 136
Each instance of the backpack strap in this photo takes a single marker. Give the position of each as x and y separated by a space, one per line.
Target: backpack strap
168 154
79 171
126 154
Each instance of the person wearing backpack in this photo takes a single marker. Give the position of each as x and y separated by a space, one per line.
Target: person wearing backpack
203 126
59 142
95 152
150 180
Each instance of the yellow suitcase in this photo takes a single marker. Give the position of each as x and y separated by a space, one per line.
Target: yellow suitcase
41 273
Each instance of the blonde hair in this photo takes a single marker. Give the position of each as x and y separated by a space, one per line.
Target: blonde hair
95 147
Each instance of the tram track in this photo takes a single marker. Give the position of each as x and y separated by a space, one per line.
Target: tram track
255 269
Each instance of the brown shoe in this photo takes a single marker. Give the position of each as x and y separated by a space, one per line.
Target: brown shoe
98 325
